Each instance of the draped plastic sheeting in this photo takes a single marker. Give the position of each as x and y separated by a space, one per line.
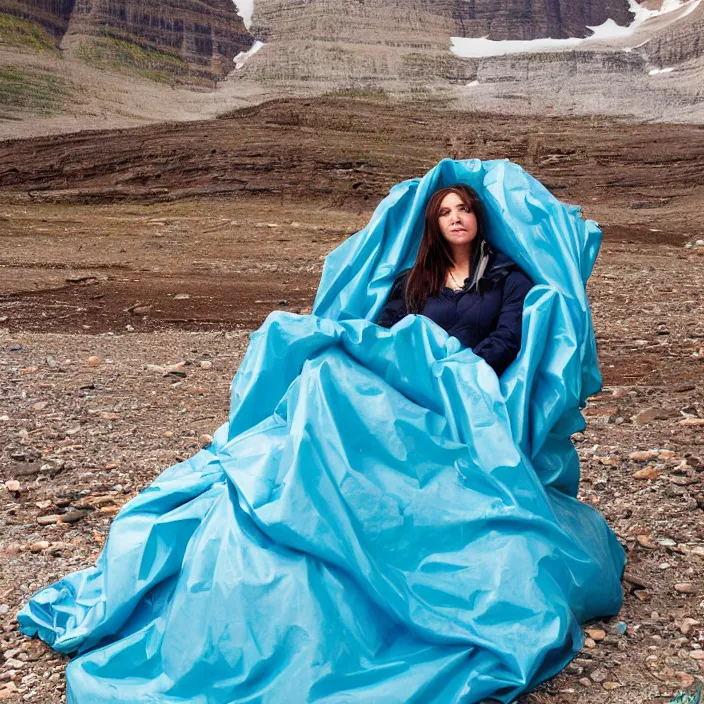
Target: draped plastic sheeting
381 520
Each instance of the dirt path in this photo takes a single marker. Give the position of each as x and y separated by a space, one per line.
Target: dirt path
116 246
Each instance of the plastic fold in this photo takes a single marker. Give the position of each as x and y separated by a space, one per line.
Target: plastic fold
381 520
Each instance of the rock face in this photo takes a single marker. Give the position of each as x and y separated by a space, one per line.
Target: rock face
206 34
53 15
194 35
679 43
419 22
530 19
381 40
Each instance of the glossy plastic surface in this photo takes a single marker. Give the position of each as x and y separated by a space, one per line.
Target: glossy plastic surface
381 520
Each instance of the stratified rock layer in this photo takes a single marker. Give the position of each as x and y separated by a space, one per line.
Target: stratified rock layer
681 42
52 15
204 33
200 35
422 22
380 40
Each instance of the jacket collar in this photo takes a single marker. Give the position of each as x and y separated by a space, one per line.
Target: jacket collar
488 265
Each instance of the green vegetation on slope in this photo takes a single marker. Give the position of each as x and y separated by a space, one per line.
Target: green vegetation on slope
28 90
17 32
110 52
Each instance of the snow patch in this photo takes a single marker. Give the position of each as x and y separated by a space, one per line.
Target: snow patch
482 47
471 84
658 71
241 58
245 8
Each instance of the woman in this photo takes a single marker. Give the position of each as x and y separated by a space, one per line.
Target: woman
460 283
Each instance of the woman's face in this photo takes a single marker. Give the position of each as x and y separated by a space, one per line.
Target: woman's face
457 222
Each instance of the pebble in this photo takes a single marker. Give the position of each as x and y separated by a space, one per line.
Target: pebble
39 546
685 588
685 624
73 516
181 297
684 679
642 455
692 421
650 414
94 361
4 608
598 676
585 682
205 440
12 485
611 685
589 643
48 520
14 664
696 654
8 691
40 405
646 473
206 364
596 634
646 541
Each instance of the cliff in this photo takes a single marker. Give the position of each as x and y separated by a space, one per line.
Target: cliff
52 15
679 43
380 40
430 21
179 36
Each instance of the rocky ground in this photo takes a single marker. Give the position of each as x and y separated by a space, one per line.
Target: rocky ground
134 263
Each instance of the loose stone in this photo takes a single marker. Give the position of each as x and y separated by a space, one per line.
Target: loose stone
596 634
39 546
646 473
598 676
643 455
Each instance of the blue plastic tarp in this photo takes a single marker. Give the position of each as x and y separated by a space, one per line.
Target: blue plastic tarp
381 520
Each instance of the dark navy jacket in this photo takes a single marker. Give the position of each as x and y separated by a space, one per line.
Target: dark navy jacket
485 315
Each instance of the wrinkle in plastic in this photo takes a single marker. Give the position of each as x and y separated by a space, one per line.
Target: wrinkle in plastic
381 520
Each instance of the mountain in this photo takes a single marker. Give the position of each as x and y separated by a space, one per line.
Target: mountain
380 40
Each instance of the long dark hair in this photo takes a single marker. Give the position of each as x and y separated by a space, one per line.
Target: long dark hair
428 274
